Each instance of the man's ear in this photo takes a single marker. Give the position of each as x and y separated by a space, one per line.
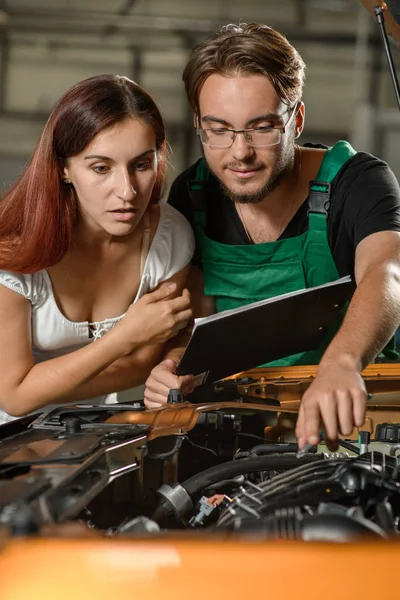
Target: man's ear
300 119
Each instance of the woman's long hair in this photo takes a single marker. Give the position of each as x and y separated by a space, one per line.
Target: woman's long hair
37 215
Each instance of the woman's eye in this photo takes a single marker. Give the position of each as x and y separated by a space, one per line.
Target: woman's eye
101 169
141 166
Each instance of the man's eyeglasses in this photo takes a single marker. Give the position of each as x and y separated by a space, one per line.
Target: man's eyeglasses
259 137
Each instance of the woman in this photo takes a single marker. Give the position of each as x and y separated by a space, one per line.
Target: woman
84 247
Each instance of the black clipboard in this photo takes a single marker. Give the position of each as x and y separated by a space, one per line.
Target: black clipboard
243 338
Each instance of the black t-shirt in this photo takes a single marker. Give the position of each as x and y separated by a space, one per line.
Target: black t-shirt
365 199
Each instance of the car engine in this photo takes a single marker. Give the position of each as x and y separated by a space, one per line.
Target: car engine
227 468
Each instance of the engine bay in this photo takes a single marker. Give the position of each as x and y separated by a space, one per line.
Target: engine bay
228 468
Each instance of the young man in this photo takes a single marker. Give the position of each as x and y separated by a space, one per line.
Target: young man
262 231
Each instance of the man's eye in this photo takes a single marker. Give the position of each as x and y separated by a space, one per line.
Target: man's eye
219 131
264 129
101 169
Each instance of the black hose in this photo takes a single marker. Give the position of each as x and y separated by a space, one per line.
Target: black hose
301 471
263 449
225 484
230 469
287 488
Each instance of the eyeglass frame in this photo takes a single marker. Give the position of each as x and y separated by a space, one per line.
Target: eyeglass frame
235 132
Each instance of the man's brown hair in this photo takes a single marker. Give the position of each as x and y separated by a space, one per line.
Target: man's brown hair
247 48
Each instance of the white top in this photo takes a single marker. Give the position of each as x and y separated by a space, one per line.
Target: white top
54 335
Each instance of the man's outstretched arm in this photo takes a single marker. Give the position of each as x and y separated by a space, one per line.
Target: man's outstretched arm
336 400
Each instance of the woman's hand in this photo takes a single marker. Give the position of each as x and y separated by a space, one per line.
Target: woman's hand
156 317
161 380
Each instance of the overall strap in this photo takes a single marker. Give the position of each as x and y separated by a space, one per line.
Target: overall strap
202 174
320 189
197 187
197 193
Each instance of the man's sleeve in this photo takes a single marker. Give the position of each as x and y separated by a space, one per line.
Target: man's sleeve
373 201
179 199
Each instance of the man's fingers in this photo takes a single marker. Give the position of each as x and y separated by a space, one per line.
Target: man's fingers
332 445
336 400
329 416
359 407
311 421
345 412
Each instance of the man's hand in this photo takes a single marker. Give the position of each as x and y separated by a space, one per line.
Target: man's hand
335 402
162 379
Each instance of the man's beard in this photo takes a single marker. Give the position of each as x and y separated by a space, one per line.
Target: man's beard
282 168
259 195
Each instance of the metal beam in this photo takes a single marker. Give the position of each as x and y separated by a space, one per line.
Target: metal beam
75 21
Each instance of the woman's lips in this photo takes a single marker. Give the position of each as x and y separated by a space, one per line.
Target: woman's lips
124 214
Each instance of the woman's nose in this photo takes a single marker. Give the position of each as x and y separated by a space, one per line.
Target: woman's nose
125 187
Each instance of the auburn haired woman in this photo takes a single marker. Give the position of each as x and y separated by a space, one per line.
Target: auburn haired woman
84 248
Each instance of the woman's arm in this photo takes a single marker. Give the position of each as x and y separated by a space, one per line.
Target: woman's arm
162 378
133 369
25 386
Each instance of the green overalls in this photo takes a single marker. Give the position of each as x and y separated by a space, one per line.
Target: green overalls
240 274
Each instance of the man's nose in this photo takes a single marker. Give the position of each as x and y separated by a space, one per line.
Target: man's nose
240 149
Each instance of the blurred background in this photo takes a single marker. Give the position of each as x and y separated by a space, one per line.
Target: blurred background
48 45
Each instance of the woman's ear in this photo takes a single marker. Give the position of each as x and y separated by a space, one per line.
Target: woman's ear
65 177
